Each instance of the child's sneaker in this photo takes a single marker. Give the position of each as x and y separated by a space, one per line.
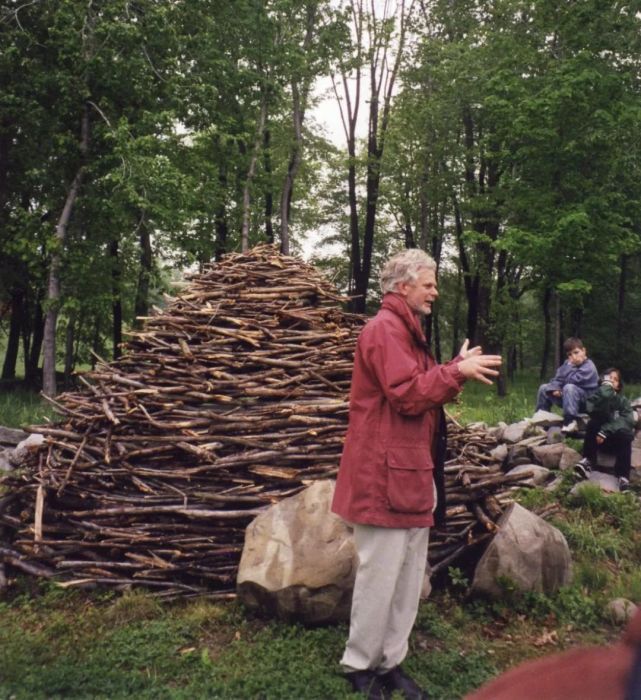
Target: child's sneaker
571 427
624 484
583 468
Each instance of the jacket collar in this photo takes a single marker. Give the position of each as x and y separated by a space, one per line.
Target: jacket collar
397 305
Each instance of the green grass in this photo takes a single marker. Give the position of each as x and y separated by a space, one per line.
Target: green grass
66 644
479 402
57 643
19 407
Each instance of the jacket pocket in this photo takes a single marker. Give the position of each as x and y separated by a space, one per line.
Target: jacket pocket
409 480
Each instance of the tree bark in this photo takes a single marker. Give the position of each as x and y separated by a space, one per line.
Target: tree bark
13 342
269 195
37 336
70 334
251 171
53 287
116 292
141 307
547 332
221 215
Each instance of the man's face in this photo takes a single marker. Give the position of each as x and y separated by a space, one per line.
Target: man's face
577 356
420 293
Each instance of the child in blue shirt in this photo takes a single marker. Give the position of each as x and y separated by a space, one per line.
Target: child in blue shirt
575 380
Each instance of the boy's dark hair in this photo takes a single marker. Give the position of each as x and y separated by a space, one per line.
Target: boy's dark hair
609 370
572 344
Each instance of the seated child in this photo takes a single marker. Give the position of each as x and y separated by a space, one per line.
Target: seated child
573 382
611 427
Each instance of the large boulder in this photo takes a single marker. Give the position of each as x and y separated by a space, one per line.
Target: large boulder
11 436
515 432
608 483
546 419
549 456
527 553
299 562
569 457
30 444
538 474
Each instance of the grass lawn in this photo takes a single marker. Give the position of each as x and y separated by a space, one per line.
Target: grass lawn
58 643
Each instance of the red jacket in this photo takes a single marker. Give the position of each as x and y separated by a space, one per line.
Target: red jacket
385 476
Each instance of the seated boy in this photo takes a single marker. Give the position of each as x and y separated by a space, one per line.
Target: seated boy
573 382
611 427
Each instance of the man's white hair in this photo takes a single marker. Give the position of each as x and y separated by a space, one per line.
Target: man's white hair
405 267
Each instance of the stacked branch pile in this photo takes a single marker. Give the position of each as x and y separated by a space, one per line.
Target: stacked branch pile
230 399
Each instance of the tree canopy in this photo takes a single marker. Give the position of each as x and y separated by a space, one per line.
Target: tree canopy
138 139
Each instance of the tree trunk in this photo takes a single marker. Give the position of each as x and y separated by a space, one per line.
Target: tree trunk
37 337
621 296
70 334
53 287
13 342
251 171
116 303
269 195
141 307
547 332
221 216
558 338
456 341
96 344
295 157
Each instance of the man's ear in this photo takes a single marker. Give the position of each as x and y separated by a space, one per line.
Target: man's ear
402 288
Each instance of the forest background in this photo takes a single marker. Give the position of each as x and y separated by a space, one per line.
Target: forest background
143 138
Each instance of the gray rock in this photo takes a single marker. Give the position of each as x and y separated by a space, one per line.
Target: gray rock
545 419
537 437
549 455
606 482
621 610
5 460
636 458
518 454
539 474
554 435
11 436
32 443
554 484
477 425
569 458
499 453
516 431
299 561
497 431
528 552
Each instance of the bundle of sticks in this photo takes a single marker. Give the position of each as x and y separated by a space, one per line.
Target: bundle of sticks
231 398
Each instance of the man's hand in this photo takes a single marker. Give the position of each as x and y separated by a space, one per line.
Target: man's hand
466 351
557 392
479 367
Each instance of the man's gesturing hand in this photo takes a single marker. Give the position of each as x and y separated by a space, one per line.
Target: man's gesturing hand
466 351
477 366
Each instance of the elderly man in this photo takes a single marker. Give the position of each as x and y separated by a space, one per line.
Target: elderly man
385 485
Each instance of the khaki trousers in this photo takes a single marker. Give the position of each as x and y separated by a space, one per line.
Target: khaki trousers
386 594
